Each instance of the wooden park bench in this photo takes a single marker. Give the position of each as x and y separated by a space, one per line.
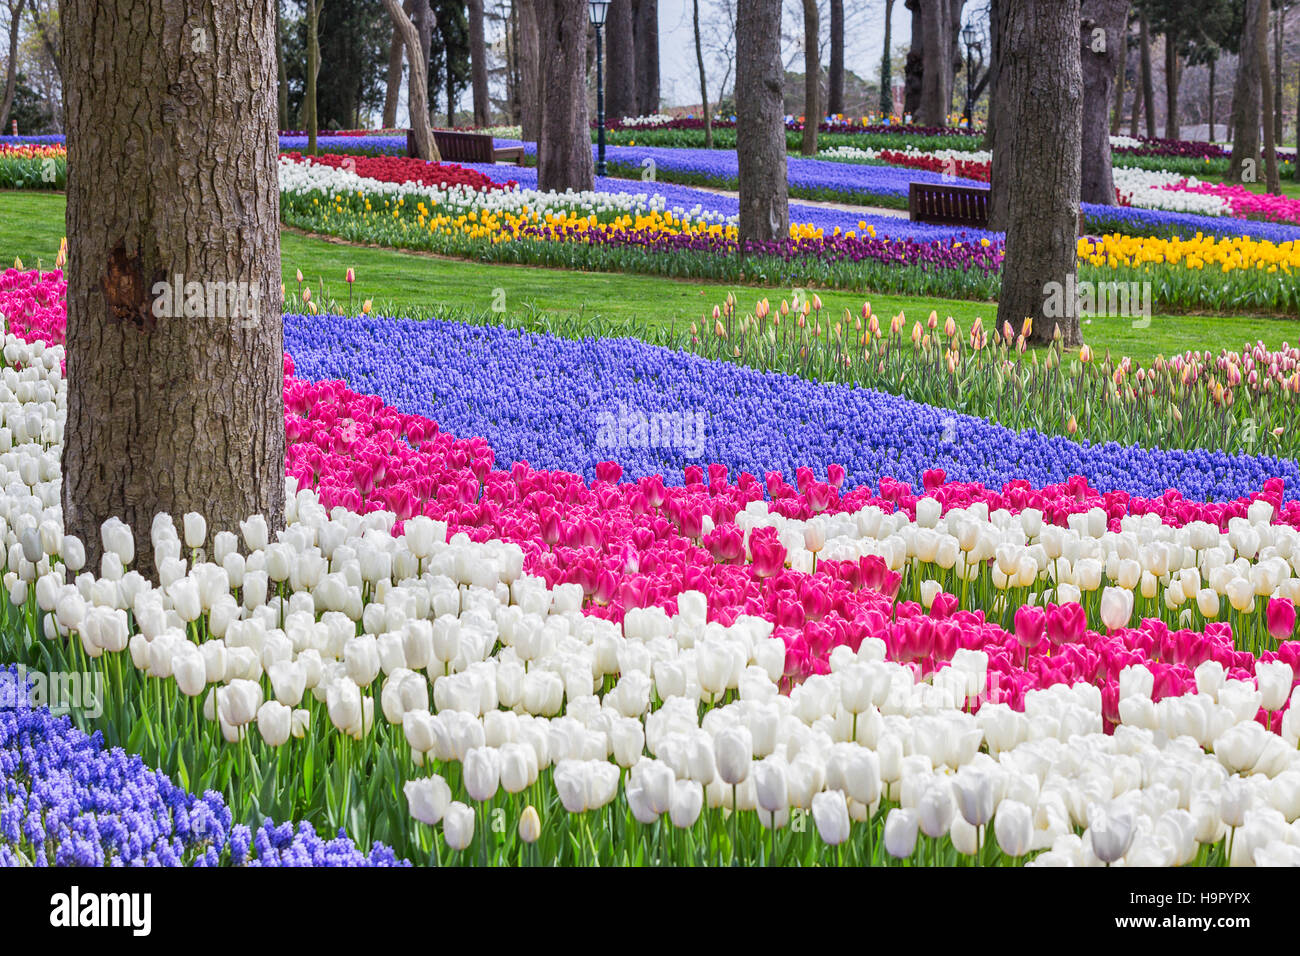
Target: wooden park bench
948 204
455 146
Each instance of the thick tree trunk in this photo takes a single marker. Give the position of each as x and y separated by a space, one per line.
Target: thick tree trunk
1173 78
886 65
1244 162
704 80
478 63
310 119
417 83
812 77
620 60
936 76
760 123
1036 161
11 69
564 149
914 65
530 70
393 87
1148 86
1117 115
647 56
181 413
1272 183
283 89
835 79
1099 53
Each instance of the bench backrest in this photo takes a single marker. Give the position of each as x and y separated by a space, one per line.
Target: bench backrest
950 205
457 147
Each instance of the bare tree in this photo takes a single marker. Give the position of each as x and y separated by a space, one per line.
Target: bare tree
16 8
564 150
704 82
172 412
417 83
1036 160
760 123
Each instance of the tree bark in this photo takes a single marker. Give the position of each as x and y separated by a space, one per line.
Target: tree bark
564 149
1036 160
1211 67
1272 183
835 79
1136 117
704 80
478 63
1148 86
417 83
760 123
1099 54
1173 78
1244 161
1121 77
647 56
393 87
886 66
914 65
11 70
812 76
184 413
530 71
995 59
936 76
1279 122
310 120
620 58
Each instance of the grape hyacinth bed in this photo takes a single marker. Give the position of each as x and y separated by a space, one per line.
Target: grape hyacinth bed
543 578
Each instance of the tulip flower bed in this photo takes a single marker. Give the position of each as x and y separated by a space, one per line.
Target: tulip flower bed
389 169
874 660
33 166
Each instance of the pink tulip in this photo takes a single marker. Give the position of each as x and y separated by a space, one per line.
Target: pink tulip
1281 619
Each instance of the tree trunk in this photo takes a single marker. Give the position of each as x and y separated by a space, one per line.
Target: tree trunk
181 413
1243 165
812 77
11 70
760 123
835 80
393 89
990 125
283 120
1148 86
1137 109
309 118
1272 183
478 63
886 66
1173 78
620 58
1099 54
704 81
1117 115
564 149
914 65
1279 123
417 83
647 56
1036 160
1211 67
530 71
936 76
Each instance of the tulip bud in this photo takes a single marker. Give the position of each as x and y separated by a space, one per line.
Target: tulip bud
530 825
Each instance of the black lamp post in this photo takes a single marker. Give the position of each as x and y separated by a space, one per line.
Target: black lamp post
970 36
598 10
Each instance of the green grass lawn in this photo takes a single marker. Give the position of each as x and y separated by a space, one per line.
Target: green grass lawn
409 284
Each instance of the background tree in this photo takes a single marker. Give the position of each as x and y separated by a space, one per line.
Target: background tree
15 9
620 49
478 63
530 70
646 14
43 55
1036 159
1148 84
835 74
760 123
1121 81
1104 25
171 414
886 64
1244 161
1266 101
449 54
354 37
564 158
393 88
417 83
310 120
282 87
812 73
704 80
